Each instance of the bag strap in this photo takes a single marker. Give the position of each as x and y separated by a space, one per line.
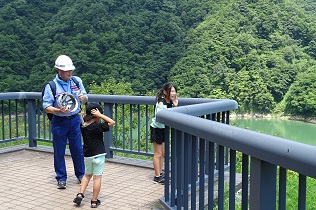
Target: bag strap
75 81
52 85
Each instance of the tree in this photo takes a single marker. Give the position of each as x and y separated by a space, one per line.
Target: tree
249 90
301 97
111 87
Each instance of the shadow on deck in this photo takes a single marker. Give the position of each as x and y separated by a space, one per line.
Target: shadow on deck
28 182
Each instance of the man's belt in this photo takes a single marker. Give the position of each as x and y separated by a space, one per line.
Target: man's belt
68 117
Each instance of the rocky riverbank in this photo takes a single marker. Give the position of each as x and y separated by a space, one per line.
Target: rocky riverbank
269 116
304 119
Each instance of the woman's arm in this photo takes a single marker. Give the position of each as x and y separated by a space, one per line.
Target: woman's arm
175 101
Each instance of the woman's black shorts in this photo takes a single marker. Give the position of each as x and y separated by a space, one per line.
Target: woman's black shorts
157 135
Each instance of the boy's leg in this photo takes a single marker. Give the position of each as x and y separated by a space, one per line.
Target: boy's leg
84 182
96 187
98 169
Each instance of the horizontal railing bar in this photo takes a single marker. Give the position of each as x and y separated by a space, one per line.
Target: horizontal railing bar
20 95
120 99
136 152
14 139
43 140
207 108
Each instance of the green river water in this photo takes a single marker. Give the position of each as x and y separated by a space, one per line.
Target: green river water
293 130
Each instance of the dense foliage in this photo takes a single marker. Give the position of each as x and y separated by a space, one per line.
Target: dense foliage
250 51
260 53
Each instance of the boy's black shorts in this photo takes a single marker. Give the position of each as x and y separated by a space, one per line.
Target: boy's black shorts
157 135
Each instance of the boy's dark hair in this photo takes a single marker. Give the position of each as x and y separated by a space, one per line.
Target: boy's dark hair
91 106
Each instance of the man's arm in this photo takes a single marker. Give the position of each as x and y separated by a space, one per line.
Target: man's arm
83 96
48 101
54 110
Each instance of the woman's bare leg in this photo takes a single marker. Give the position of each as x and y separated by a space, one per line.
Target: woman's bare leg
157 162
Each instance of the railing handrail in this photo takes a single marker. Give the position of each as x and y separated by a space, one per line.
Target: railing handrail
20 95
279 151
124 99
206 107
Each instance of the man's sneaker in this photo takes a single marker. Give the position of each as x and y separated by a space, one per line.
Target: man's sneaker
159 180
61 185
162 174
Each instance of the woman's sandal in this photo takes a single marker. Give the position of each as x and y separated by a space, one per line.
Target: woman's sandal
78 198
95 204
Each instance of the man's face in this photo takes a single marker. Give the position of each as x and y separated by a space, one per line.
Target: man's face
65 75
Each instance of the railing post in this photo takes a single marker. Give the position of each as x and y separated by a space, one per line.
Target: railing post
262 185
167 163
31 117
108 136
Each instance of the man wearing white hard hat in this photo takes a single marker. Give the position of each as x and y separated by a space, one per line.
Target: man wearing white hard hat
65 122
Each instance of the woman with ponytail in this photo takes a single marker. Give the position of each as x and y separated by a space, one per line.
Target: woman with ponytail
166 98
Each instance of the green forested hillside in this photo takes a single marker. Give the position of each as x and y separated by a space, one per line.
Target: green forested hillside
259 53
253 52
135 40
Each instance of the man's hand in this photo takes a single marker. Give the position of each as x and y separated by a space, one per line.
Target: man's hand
82 98
64 109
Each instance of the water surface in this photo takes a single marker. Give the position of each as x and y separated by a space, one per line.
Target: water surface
289 129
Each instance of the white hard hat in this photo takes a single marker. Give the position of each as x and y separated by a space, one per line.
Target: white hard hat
63 62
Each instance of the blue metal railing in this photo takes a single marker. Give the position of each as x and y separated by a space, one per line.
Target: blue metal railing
132 114
202 154
263 153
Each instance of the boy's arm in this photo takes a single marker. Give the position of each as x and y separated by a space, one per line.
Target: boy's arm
97 113
108 120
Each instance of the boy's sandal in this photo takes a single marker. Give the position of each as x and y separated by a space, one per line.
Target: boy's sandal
95 204
78 198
